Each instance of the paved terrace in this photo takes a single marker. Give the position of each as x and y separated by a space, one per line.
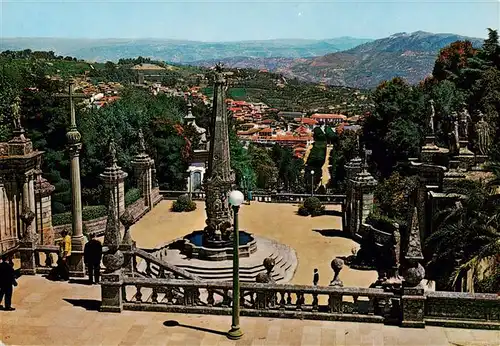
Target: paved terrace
277 221
55 313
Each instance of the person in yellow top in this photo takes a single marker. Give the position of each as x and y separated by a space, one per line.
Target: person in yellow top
64 254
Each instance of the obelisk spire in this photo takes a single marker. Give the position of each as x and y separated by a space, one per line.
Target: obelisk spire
220 177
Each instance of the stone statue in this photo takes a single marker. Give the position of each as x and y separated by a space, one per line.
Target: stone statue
455 133
464 121
112 152
431 120
16 113
483 130
142 143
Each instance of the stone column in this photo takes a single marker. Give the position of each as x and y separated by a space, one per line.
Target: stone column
29 239
142 164
114 181
363 186
43 191
352 168
74 146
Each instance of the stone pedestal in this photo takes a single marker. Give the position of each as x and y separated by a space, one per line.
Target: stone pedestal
112 292
142 164
465 156
27 254
75 261
413 307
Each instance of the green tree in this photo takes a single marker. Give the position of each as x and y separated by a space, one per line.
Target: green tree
466 234
263 166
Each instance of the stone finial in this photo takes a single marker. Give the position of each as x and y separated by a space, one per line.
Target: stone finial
112 161
142 143
127 220
337 265
113 259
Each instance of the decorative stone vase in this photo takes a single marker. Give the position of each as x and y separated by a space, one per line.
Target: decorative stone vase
337 265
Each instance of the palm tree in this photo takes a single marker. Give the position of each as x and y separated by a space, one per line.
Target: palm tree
467 234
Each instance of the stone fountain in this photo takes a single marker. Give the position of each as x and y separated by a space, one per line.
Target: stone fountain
208 252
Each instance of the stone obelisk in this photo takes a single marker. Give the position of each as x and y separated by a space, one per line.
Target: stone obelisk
219 178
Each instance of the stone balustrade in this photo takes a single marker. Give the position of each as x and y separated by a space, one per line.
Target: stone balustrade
268 300
263 197
45 258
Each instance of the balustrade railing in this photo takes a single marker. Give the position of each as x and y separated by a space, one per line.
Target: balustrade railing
45 258
271 300
264 197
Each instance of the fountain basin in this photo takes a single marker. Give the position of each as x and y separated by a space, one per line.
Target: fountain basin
197 246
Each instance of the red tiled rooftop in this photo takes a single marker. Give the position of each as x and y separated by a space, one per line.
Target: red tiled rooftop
328 116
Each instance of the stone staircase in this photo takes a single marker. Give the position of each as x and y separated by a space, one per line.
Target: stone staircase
285 263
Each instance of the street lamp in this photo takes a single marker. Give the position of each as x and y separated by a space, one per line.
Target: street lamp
235 199
312 183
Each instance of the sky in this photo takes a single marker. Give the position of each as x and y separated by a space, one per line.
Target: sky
238 20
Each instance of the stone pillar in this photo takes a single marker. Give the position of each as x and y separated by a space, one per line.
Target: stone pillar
114 181
29 239
363 186
43 191
142 164
352 168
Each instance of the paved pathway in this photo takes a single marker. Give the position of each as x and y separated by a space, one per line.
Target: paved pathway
55 313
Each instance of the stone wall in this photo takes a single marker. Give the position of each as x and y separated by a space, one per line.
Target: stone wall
97 226
8 215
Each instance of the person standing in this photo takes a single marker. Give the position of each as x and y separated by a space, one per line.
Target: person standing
64 254
315 277
7 281
92 255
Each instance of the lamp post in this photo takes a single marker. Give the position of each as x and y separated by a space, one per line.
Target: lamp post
312 183
235 199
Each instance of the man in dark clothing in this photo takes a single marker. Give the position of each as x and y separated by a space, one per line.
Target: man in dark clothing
315 277
7 280
92 254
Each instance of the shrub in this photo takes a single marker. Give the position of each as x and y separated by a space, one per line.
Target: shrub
303 211
381 222
61 219
92 212
58 208
131 196
312 206
183 203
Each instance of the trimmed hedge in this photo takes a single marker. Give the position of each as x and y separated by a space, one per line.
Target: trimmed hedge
312 206
381 222
132 196
90 212
183 203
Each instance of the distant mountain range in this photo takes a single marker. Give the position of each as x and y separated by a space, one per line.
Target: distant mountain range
344 61
407 55
176 51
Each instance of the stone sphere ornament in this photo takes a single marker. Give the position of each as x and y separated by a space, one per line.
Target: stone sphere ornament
113 261
337 265
414 275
